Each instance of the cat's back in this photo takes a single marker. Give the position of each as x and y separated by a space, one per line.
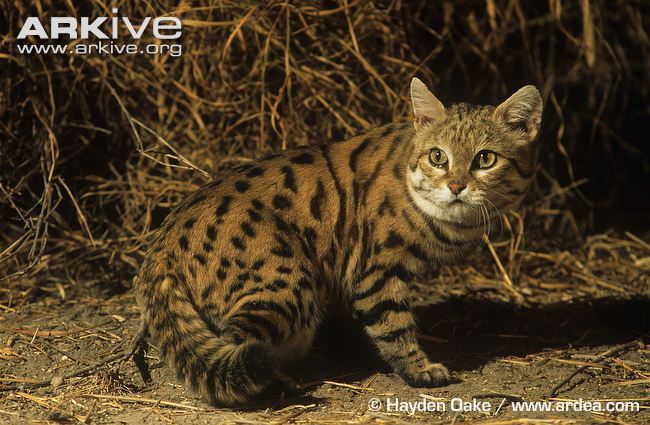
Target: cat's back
295 205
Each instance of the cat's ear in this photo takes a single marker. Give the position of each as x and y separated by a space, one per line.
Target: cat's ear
426 107
522 111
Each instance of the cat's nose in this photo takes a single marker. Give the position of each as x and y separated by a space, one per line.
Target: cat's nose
456 187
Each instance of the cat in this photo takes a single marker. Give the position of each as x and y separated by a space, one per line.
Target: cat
242 272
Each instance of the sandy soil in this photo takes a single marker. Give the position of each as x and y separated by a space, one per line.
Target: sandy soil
499 352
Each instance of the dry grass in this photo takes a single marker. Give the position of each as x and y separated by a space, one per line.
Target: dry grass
96 149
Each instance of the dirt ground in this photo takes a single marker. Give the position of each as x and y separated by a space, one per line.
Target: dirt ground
56 351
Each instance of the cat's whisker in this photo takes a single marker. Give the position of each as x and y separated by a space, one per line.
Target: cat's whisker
498 215
478 218
503 195
487 223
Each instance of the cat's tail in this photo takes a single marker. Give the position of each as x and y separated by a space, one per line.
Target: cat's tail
223 367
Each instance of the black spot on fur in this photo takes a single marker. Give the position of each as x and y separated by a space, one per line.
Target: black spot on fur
207 292
237 286
356 152
304 158
418 252
247 229
281 225
238 243
304 283
257 204
254 215
277 284
316 200
289 179
393 240
310 237
281 202
378 312
255 172
339 227
258 264
243 167
397 172
200 258
387 131
386 205
183 243
284 270
224 206
282 249
242 186
211 232
189 223
221 273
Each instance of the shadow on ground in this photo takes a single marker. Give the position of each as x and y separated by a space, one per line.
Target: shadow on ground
474 331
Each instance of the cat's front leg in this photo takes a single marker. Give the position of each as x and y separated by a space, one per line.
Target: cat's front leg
380 301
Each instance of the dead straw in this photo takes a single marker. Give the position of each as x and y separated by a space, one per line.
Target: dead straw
96 149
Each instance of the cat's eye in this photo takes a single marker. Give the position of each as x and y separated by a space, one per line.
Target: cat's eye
485 159
438 157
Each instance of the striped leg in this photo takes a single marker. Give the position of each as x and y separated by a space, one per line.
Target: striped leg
381 303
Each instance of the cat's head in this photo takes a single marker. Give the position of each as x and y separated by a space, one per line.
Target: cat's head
471 160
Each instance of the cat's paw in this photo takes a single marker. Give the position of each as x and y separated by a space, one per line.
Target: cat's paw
428 375
286 384
278 388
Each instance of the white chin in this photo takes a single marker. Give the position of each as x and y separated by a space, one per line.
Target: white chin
447 211
458 212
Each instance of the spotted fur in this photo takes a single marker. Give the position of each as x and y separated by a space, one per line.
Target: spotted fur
242 272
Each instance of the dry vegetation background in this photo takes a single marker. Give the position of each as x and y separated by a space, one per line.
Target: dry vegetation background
95 150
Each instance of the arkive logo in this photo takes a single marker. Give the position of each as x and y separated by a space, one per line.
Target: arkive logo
162 28
68 25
